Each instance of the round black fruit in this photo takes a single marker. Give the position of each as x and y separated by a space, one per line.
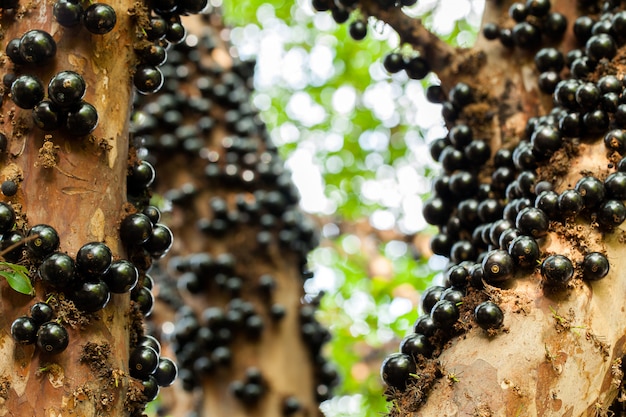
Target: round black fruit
160 241
24 330
595 266
42 240
58 270
99 18
557 270
396 370
444 314
140 176
66 88
93 259
121 277
41 312
143 362
488 315
358 30
37 46
525 251
27 91
47 116
430 296
52 338
416 344
91 296
498 266
135 229
150 388
82 119
166 372
67 13
148 79
7 217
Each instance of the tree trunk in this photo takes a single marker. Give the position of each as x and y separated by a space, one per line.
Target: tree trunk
230 200
559 350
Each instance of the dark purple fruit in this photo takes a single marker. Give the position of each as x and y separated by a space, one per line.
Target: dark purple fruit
52 338
27 91
121 277
67 13
24 330
444 314
148 79
396 370
91 296
41 312
140 176
595 266
82 119
7 217
58 270
135 229
358 29
416 344
99 18
488 315
143 362
160 241
93 259
47 116
66 88
37 46
498 266
557 270
42 240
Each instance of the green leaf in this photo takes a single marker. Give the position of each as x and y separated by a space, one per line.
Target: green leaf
17 277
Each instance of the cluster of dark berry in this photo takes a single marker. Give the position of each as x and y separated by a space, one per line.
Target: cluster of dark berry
50 336
341 9
416 67
534 21
493 219
164 28
153 370
65 106
97 18
256 194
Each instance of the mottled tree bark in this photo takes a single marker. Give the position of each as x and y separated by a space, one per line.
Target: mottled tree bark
76 185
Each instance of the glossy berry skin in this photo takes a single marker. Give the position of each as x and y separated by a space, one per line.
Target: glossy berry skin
150 388
525 251
175 33
140 176
58 270
595 266
91 296
611 213
37 46
417 68
592 190
41 312
532 221
135 229
358 30
143 362
148 79
52 338
396 370
99 18
393 62
7 217
13 51
570 202
600 46
557 270
416 344
488 315
144 299
82 119
151 341
430 296
498 266
121 277
67 13
24 330
444 314
615 140
615 185
14 239
66 88
47 116
153 213
192 6
27 91
424 325
160 241
46 242
93 259
166 372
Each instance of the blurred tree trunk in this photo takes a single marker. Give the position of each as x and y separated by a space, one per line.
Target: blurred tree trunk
245 339
76 185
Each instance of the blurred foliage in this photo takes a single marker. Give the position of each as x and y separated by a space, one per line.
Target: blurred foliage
366 134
